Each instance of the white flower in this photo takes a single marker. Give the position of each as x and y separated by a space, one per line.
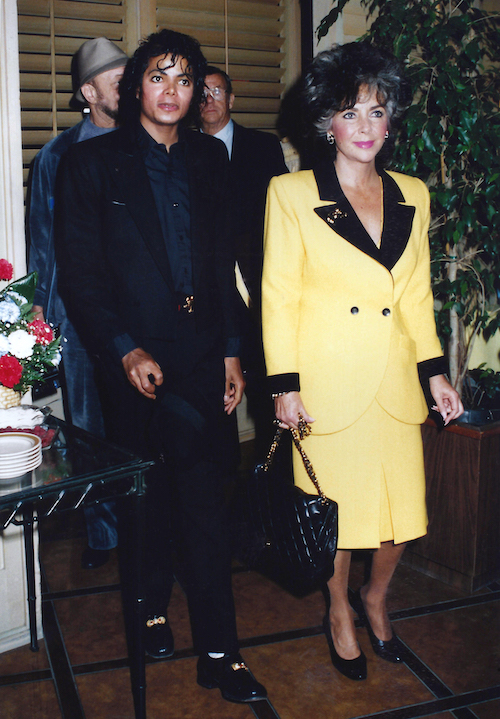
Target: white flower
21 344
9 311
19 299
4 345
56 359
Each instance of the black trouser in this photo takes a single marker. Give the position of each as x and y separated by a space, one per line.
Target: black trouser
195 443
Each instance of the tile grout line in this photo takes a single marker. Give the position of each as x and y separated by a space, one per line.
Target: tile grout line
492 595
263 710
67 691
445 606
83 592
37 675
453 703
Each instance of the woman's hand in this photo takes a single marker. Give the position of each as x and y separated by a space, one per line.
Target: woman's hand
448 403
288 408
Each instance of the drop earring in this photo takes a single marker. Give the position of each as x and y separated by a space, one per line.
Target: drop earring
330 138
387 134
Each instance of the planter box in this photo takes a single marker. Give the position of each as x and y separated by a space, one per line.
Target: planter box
462 465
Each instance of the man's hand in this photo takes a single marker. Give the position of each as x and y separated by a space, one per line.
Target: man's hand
38 313
139 366
235 384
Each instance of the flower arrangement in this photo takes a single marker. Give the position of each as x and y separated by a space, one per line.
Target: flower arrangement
28 348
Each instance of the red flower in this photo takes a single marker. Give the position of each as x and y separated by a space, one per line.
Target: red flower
6 270
10 371
42 331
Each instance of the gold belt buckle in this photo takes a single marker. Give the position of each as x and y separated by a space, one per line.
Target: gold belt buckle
189 304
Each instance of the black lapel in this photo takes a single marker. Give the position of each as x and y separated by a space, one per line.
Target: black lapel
398 220
343 220
129 174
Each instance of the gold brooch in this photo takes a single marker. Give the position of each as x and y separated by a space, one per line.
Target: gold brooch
334 215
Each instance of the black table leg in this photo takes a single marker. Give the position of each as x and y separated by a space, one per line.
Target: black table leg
137 658
29 552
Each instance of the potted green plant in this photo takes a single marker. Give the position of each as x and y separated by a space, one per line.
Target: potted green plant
451 139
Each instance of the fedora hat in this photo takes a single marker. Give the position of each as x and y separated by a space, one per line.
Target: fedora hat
91 59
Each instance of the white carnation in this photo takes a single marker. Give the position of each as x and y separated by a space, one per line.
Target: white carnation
20 299
21 344
4 345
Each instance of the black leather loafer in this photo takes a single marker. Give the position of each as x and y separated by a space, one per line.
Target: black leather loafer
390 650
94 558
231 675
158 638
354 669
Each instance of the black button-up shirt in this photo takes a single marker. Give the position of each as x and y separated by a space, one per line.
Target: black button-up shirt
168 176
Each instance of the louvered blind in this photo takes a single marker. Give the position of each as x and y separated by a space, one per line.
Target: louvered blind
243 37
50 32
246 37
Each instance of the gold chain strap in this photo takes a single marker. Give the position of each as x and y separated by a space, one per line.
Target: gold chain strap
303 431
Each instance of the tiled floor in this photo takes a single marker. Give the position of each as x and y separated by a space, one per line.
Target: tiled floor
452 667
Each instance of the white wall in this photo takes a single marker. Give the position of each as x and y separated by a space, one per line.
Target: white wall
12 246
14 613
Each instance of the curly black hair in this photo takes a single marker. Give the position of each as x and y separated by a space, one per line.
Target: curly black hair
162 43
333 81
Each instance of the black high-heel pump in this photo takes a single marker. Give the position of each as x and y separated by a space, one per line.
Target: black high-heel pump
390 650
351 668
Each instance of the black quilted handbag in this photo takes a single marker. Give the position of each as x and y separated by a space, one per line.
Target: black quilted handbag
289 536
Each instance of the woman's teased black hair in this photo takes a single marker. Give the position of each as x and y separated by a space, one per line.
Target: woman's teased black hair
335 77
162 43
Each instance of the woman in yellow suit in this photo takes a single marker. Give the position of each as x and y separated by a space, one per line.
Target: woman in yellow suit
348 323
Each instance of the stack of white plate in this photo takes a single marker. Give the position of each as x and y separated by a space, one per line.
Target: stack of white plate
20 452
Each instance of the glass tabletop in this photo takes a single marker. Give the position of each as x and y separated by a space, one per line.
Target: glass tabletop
72 458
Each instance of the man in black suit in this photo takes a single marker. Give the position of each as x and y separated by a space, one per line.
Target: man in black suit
148 280
255 157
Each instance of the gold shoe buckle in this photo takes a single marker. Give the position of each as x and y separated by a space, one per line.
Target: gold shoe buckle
239 665
156 620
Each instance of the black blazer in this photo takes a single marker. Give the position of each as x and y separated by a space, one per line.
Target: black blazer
114 272
256 157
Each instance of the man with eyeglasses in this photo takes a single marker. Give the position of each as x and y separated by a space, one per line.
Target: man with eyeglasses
255 157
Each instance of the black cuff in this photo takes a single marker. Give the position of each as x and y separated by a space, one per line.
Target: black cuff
427 369
119 346
287 382
432 367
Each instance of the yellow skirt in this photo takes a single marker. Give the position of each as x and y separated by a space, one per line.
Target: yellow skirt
374 470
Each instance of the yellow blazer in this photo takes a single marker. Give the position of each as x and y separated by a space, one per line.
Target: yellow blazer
352 319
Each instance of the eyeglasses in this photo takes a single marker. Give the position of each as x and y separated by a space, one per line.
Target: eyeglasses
216 93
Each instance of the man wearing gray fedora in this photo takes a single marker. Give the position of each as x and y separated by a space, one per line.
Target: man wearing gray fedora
97 69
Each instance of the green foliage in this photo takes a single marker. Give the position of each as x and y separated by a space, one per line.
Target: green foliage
331 18
451 139
482 388
25 287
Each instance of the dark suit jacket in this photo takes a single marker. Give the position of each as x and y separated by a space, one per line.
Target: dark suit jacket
256 157
114 271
